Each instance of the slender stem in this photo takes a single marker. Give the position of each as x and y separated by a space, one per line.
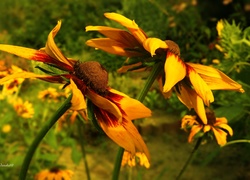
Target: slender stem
150 80
80 132
190 158
41 134
237 141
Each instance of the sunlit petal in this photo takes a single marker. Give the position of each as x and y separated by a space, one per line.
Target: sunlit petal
215 79
104 104
175 71
133 109
221 120
131 25
195 129
206 128
111 46
152 44
118 35
23 74
227 128
200 86
220 136
119 135
78 102
51 47
192 100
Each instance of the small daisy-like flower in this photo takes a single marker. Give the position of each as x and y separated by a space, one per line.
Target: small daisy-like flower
54 174
131 161
6 128
49 94
23 109
218 127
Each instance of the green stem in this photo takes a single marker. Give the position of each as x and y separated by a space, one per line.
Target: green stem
190 158
237 141
80 132
157 69
41 134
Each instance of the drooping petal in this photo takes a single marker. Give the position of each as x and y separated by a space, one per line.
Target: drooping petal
221 120
220 135
126 68
200 86
215 79
118 35
132 108
131 25
152 44
51 48
206 128
77 102
23 74
104 104
111 46
175 71
191 99
194 130
227 128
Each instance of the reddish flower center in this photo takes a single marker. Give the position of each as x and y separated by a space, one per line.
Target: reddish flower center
93 75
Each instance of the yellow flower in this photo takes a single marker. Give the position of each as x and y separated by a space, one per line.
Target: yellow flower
114 110
192 82
11 86
6 128
23 109
219 27
49 94
217 126
131 160
53 174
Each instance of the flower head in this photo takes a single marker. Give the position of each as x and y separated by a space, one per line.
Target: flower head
23 109
89 80
192 82
54 173
216 126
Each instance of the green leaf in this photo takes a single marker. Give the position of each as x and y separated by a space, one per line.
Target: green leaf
76 154
232 113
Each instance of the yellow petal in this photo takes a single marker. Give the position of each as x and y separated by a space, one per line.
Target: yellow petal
220 136
126 68
215 79
195 129
227 128
175 71
219 27
104 104
127 136
78 102
200 86
221 120
192 100
24 52
132 108
51 47
111 46
152 44
131 25
23 74
118 35
206 128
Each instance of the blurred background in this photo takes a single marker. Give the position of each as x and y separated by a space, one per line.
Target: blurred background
190 23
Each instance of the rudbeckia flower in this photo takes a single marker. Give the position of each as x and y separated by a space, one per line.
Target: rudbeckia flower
53 174
218 127
113 109
23 108
192 82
